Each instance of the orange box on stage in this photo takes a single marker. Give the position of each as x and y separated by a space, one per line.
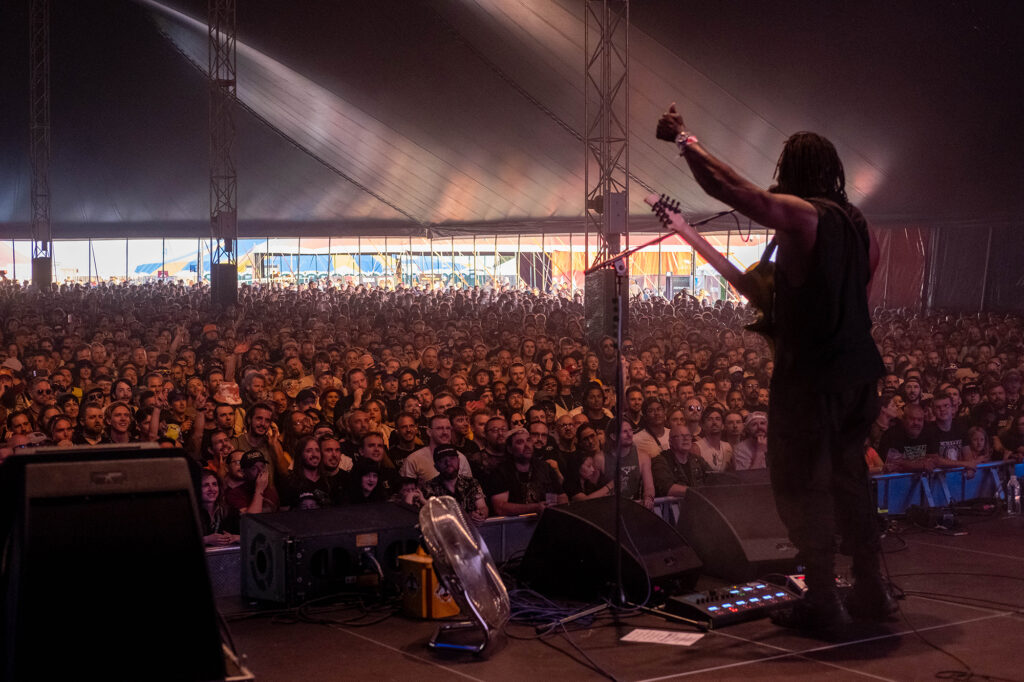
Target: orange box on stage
423 595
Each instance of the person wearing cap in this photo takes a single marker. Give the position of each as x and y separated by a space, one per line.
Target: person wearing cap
390 396
911 390
750 452
256 494
971 393
492 453
523 484
306 399
210 335
449 482
420 464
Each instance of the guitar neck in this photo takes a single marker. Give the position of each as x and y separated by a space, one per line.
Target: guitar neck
709 253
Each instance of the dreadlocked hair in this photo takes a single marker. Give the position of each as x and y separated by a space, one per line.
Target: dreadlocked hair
810 167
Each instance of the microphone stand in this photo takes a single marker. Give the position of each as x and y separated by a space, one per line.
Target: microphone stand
619 600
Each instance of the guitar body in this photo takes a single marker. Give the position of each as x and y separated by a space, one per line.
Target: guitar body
761 277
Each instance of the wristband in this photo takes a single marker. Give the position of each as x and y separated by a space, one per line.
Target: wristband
684 140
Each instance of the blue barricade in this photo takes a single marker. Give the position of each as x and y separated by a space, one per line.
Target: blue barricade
897 492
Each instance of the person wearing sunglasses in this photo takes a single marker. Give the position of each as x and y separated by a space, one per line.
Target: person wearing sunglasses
40 396
693 409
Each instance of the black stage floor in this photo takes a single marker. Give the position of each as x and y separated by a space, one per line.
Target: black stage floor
965 595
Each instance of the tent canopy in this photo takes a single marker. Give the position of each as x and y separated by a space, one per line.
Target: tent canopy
464 116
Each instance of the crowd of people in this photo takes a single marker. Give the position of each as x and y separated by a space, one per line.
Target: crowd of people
328 394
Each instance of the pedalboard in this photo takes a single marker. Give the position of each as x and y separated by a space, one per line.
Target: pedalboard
732 604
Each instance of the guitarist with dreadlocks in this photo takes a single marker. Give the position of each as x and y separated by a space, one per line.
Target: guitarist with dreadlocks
824 386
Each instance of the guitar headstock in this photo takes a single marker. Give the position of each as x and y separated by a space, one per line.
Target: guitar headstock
663 206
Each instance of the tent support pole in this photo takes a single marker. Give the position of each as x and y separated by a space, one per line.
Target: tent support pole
984 277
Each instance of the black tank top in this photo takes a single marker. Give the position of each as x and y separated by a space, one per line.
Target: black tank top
823 327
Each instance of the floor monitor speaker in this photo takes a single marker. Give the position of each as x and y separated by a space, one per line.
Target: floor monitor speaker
572 552
736 531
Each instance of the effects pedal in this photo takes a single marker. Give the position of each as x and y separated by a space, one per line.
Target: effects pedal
797 584
732 604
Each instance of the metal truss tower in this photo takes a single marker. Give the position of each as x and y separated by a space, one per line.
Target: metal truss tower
223 179
39 142
606 113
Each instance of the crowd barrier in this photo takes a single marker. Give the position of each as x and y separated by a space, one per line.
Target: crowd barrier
507 537
942 487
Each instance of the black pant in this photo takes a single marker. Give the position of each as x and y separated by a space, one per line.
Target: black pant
819 475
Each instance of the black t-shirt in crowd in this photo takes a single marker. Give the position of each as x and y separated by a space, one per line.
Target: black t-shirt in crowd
948 444
908 448
297 484
524 487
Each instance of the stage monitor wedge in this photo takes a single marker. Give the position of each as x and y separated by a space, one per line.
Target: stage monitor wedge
572 553
736 531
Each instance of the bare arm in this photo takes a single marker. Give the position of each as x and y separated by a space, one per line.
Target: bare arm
195 436
154 424
677 490
502 507
256 503
784 213
603 491
647 477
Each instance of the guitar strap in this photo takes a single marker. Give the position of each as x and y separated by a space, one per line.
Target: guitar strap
768 251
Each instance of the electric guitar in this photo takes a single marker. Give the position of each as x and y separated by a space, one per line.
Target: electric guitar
757 284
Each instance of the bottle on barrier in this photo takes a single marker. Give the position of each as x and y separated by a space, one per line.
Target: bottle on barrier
1013 495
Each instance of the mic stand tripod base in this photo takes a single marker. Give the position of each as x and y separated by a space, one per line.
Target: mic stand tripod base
703 626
